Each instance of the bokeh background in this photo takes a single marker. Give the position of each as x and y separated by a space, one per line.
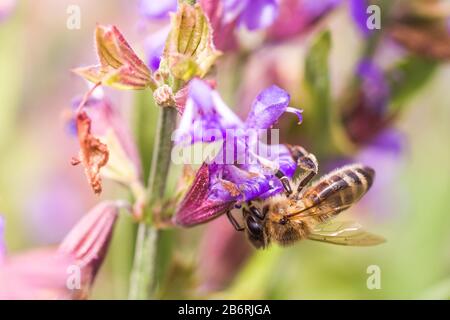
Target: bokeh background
42 195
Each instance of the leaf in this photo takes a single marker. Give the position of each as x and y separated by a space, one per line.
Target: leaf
189 49
93 153
119 66
319 112
407 77
317 71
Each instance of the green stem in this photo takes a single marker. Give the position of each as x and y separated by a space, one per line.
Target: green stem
142 282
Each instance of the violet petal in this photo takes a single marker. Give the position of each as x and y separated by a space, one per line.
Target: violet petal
250 184
283 159
268 106
205 117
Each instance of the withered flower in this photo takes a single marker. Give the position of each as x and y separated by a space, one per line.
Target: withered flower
93 153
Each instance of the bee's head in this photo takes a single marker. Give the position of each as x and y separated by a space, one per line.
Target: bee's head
255 230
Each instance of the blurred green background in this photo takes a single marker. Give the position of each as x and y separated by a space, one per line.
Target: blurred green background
42 195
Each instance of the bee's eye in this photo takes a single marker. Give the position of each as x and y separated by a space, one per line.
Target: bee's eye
254 227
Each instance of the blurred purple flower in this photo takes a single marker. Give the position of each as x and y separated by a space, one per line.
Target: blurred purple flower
253 14
358 10
389 140
53 208
297 16
6 7
384 154
157 9
154 46
368 116
239 172
224 37
374 85
224 16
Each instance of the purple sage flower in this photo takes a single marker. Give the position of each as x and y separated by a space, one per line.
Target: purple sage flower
157 9
245 167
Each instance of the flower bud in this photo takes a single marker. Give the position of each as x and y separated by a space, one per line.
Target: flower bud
119 66
88 241
66 273
164 96
189 50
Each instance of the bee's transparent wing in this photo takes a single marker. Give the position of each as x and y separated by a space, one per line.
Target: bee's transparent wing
347 233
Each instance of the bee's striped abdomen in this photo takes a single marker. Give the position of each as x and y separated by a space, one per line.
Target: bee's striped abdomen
338 190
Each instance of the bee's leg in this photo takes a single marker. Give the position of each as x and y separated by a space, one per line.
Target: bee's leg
256 212
285 182
305 161
234 222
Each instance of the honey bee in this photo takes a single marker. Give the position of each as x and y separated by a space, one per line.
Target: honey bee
307 212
